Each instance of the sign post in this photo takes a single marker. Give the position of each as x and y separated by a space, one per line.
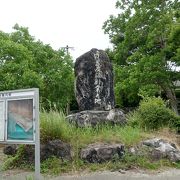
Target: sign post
19 120
37 138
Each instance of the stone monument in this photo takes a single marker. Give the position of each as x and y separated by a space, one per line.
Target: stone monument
94 81
94 90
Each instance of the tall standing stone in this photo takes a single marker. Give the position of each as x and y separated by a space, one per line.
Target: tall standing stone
94 81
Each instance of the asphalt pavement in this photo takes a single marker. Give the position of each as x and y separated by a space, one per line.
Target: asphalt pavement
173 174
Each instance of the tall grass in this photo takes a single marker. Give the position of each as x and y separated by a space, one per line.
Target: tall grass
55 126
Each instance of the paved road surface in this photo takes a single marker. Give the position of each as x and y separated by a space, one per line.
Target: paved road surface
172 174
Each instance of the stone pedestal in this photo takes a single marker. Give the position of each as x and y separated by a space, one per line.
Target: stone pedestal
92 118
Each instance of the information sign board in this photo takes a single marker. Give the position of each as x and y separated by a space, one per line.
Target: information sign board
18 112
19 120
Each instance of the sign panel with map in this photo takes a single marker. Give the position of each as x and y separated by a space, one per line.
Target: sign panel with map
18 112
20 119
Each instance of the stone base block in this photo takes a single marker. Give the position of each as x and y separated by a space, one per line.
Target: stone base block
93 118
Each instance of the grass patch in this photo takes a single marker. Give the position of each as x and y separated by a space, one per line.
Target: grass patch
55 166
29 178
53 125
177 165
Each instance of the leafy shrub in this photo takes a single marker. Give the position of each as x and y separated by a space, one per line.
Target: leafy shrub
153 114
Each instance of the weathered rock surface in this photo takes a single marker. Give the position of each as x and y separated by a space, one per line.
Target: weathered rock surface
10 149
94 81
55 148
93 118
163 149
98 153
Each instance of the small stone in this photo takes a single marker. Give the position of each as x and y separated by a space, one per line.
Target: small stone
10 149
132 150
122 171
56 148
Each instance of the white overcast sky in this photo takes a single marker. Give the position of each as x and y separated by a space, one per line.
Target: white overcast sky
76 23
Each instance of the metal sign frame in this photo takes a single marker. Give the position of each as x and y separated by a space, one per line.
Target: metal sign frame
16 95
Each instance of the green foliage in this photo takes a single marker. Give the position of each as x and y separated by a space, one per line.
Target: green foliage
133 118
129 161
139 161
51 166
177 165
10 162
145 35
14 161
28 63
29 178
53 125
153 114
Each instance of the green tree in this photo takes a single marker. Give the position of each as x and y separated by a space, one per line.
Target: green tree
26 63
144 35
16 65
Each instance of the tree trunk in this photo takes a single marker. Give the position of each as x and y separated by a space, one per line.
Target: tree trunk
172 98
67 108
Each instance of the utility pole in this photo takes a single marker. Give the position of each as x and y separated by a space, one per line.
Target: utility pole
67 49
